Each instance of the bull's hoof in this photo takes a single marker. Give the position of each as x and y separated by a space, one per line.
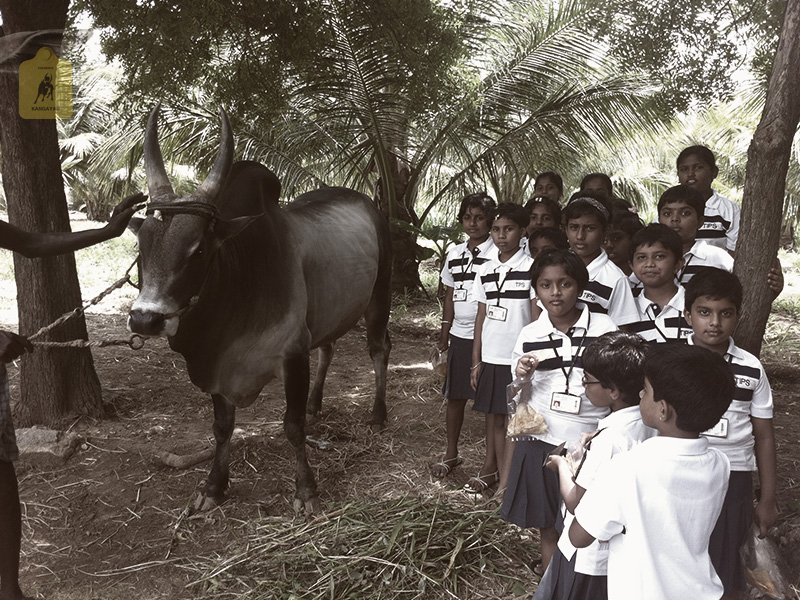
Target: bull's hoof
205 503
312 418
377 427
310 507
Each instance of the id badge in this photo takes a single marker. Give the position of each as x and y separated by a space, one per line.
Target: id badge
720 430
460 295
565 403
496 313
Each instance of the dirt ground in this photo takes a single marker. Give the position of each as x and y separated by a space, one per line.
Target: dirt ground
110 522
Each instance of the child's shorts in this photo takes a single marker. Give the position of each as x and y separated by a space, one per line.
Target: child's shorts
561 582
490 397
532 498
731 530
459 360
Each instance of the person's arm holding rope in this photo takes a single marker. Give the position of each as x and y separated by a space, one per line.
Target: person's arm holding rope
35 245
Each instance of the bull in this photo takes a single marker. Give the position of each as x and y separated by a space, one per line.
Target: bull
245 289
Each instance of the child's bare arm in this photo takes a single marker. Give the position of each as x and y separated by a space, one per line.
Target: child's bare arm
767 507
571 492
475 370
448 313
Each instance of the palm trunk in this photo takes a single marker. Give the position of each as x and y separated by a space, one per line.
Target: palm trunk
53 383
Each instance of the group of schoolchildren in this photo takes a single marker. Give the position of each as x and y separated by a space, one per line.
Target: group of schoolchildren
619 336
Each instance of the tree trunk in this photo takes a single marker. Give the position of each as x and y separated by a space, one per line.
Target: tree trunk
765 182
53 383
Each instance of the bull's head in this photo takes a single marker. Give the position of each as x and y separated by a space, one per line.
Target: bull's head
179 236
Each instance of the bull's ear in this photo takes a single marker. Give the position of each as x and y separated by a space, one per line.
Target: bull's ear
226 229
134 224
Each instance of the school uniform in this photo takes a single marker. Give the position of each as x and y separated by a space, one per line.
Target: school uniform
720 226
661 324
532 497
700 255
656 505
580 574
733 435
458 273
506 290
608 291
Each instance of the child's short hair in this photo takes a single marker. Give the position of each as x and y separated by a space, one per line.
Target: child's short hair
480 200
654 233
605 179
685 194
626 221
588 203
552 257
717 284
703 153
551 205
617 358
513 212
697 383
556 236
552 176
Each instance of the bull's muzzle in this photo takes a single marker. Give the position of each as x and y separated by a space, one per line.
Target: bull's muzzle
146 322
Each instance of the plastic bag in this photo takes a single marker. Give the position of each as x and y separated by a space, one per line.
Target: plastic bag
439 361
763 566
523 421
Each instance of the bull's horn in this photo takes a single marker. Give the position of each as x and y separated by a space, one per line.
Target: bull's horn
210 188
158 184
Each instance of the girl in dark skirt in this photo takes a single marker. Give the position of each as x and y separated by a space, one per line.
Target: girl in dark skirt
548 354
506 303
458 318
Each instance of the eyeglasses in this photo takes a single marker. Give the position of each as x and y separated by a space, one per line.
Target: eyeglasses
585 381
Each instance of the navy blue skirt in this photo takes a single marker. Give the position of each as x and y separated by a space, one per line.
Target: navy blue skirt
459 360
730 532
561 582
532 498
490 397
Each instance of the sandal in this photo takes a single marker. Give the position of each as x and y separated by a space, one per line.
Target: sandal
447 465
481 483
538 568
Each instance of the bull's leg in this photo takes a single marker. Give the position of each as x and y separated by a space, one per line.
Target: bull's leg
315 399
296 373
213 491
377 321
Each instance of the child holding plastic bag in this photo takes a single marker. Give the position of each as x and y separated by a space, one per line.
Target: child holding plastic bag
548 354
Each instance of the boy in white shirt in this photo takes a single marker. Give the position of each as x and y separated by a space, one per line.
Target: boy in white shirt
657 503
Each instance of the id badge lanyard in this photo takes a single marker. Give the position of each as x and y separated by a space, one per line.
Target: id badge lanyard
575 356
652 309
467 269
683 270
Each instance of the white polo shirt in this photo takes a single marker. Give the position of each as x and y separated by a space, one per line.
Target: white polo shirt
507 285
657 505
701 254
665 325
618 432
609 292
720 222
560 355
459 273
733 435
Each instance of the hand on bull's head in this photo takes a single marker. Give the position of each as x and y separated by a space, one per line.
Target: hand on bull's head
122 213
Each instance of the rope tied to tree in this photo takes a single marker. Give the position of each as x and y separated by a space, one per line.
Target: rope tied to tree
135 342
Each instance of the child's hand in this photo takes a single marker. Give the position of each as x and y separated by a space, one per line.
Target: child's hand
775 280
553 462
474 373
766 515
526 365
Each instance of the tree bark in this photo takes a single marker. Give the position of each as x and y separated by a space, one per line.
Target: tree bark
765 182
53 383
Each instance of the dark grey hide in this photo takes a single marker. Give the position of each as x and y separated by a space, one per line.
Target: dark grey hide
246 292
